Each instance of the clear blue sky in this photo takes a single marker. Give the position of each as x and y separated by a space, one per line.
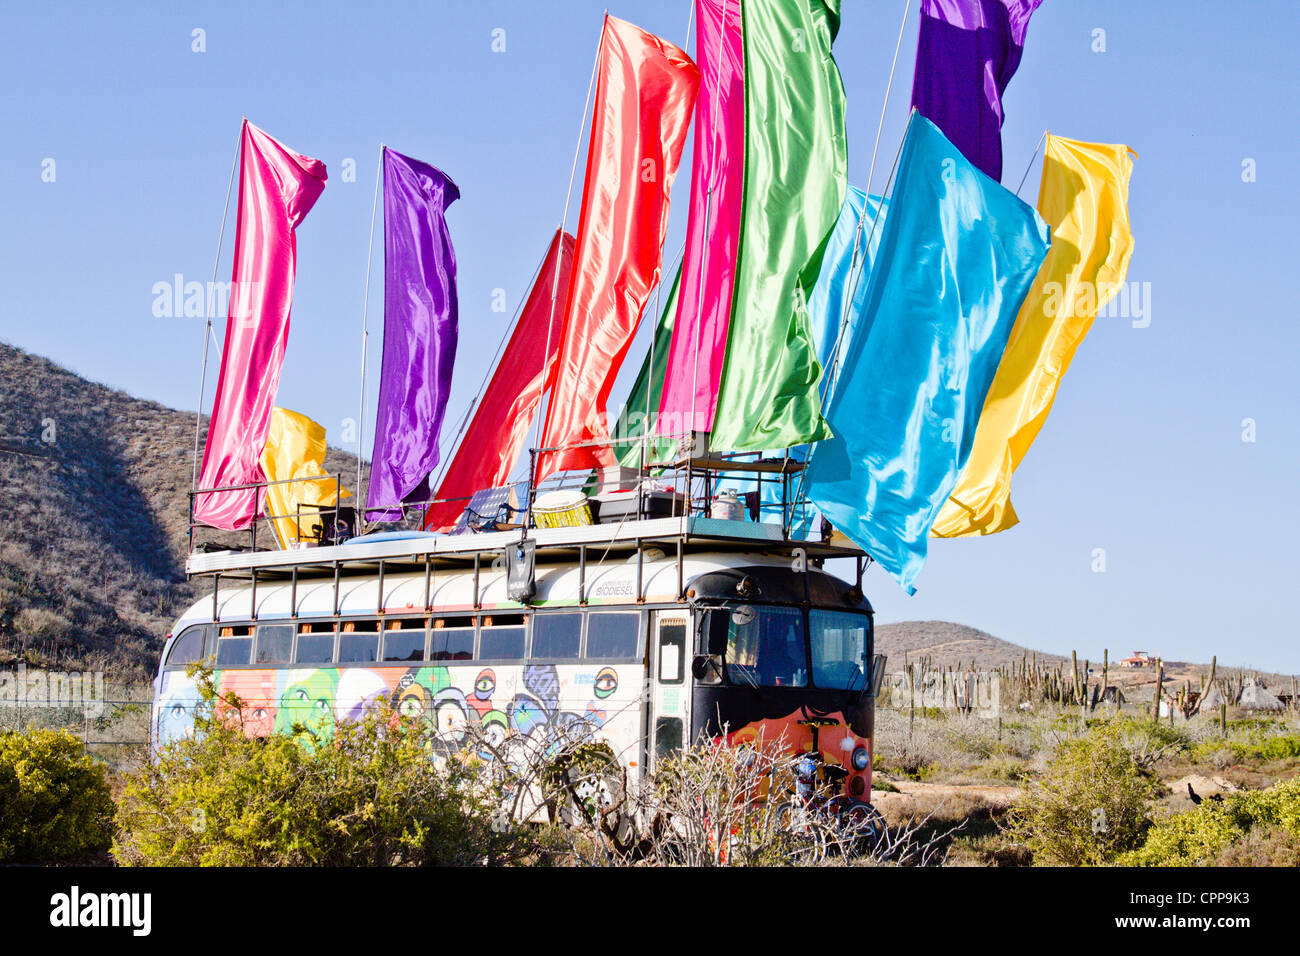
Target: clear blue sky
1143 455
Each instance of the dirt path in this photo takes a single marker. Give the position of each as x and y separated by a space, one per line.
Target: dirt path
944 800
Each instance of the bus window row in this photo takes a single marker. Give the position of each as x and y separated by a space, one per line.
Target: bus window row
551 636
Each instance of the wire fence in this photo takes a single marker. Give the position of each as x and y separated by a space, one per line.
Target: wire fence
113 729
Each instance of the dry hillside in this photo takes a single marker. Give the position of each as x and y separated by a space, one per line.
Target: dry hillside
948 644
93 524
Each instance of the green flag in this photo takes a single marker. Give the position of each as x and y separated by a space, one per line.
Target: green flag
632 419
795 176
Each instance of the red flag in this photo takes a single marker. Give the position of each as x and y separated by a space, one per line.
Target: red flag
277 188
495 435
645 91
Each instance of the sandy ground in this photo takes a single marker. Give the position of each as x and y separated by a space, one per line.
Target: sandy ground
945 800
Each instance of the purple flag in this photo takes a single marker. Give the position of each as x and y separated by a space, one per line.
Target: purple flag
420 328
966 55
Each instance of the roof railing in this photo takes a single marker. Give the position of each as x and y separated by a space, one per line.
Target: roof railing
692 477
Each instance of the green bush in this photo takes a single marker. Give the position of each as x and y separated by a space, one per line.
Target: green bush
1209 832
1282 747
1092 803
55 802
371 795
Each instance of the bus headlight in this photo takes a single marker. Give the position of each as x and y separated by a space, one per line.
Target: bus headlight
861 759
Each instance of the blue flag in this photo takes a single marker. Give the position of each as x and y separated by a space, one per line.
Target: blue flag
846 265
842 264
956 259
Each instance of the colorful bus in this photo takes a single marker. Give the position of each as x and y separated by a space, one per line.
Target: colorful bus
658 635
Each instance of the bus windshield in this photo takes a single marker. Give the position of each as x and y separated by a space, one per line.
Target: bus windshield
767 646
839 648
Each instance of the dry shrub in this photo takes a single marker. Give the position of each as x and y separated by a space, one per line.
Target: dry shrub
1092 804
43 624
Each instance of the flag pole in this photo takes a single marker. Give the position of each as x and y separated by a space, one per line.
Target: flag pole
365 335
1039 146
444 461
853 288
855 264
699 304
889 87
207 332
555 283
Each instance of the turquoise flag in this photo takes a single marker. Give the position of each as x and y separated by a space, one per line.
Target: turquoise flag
846 264
846 251
956 259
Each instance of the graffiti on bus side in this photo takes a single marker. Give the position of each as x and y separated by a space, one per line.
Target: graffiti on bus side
540 702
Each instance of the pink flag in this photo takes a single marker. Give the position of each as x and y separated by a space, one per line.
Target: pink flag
645 89
277 188
690 394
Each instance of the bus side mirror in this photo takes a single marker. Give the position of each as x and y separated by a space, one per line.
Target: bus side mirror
707 668
877 674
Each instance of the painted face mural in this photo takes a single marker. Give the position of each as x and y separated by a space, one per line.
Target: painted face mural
543 682
358 691
256 692
452 715
411 699
176 708
496 728
606 683
308 699
535 713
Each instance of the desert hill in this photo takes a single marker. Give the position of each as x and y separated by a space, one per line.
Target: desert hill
948 644
93 535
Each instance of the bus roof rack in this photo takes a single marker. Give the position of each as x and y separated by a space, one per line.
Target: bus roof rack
686 533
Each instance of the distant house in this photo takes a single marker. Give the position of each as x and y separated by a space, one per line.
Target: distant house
1254 696
1139 659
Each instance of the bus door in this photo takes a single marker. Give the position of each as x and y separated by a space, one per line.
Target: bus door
670 696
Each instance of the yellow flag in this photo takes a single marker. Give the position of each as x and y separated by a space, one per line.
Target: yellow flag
1084 198
295 448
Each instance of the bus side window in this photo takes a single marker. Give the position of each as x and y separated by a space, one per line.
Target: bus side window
274 643
672 652
359 644
187 648
557 636
613 635
404 640
453 639
502 636
315 644
235 647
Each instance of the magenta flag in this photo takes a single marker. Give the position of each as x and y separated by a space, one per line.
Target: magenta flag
277 188
690 393
967 53
420 333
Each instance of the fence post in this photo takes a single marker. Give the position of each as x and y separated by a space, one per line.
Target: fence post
1160 675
